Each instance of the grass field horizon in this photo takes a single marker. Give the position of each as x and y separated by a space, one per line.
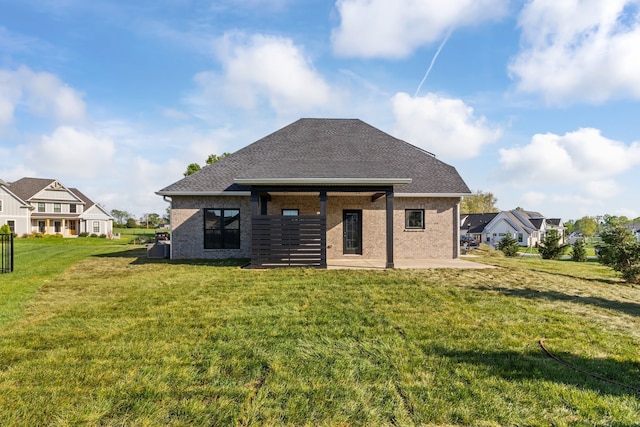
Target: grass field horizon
98 335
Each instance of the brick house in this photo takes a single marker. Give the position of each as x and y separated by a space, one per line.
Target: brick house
319 189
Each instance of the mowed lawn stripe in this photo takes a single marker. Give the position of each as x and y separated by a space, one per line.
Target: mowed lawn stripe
119 340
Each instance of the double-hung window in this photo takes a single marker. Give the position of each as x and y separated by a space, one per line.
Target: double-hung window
57 207
40 207
222 228
414 219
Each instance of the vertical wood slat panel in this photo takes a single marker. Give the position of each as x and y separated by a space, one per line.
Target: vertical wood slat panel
288 241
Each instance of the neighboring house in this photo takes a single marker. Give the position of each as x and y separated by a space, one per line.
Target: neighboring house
634 227
319 189
527 227
473 225
36 205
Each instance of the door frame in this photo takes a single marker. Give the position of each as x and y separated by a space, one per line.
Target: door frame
358 249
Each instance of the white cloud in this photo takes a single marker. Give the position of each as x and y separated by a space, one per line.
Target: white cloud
582 50
268 69
72 153
580 156
447 127
43 93
395 28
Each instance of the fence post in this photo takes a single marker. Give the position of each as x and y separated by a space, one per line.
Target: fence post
6 253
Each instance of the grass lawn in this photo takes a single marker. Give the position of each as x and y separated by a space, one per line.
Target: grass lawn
110 338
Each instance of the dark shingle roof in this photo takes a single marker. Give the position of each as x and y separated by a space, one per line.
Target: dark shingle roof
476 223
26 188
87 201
327 148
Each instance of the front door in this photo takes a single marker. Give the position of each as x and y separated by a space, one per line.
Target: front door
352 231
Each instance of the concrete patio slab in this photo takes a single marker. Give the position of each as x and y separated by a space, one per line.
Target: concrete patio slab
356 263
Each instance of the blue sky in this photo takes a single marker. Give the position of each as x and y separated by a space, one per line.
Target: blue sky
537 102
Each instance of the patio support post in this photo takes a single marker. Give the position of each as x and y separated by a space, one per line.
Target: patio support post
264 199
323 215
254 203
389 197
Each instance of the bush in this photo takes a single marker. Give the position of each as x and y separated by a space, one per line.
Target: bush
103 236
53 236
620 250
5 229
93 235
508 245
579 251
550 247
83 234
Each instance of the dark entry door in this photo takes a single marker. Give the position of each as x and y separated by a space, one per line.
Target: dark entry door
352 231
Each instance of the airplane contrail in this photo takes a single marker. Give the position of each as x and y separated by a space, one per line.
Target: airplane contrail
433 61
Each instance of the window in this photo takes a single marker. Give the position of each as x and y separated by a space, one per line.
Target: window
41 207
12 225
290 212
96 226
222 229
414 218
57 208
42 228
72 208
520 237
0 205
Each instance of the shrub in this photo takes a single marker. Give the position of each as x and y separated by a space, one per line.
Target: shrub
579 251
103 236
550 247
53 236
5 229
508 245
620 250
93 235
83 234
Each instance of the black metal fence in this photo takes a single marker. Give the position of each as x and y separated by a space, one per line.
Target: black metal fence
6 253
287 241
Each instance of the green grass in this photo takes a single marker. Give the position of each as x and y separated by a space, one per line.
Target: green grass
118 340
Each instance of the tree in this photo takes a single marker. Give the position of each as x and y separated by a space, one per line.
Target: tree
191 169
508 245
550 247
152 219
579 252
194 167
479 202
620 250
215 158
120 216
586 225
569 226
131 223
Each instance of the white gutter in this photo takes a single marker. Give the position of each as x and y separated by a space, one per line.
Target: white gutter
323 181
396 194
203 193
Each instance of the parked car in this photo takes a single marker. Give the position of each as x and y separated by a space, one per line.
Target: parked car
470 241
162 235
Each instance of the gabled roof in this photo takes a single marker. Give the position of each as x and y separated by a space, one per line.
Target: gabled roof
88 203
26 188
326 151
475 223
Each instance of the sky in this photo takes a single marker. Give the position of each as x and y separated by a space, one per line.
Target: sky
537 102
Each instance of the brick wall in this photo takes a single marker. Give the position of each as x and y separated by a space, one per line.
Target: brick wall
437 240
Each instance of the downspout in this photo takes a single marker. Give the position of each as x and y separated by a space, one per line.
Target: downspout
170 223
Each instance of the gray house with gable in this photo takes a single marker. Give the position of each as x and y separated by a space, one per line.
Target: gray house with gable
316 190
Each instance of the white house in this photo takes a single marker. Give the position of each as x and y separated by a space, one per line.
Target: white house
527 227
36 205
